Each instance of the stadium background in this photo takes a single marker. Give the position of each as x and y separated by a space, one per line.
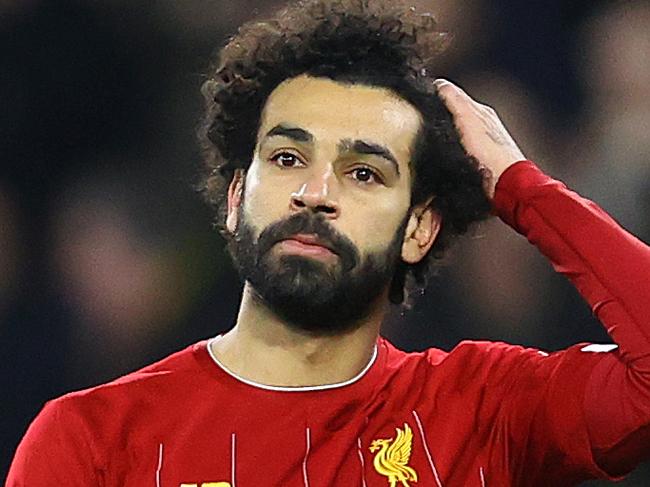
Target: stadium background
107 257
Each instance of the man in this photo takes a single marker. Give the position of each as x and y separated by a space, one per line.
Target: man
334 157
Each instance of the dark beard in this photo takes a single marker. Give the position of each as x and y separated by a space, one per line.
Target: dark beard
310 295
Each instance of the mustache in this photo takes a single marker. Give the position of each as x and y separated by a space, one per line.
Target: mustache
308 222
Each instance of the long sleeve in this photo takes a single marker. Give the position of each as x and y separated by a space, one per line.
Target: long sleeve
611 270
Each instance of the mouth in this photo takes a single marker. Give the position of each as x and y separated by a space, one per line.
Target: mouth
306 244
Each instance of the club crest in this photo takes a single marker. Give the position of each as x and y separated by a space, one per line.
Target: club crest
392 457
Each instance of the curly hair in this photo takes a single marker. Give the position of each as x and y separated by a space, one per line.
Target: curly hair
382 43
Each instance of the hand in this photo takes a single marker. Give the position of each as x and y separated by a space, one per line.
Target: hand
481 132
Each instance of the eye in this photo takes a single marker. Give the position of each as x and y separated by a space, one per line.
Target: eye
286 159
365 175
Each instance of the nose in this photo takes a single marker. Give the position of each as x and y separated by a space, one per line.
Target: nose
316 195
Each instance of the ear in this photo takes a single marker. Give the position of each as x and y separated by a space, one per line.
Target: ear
421 231
235 190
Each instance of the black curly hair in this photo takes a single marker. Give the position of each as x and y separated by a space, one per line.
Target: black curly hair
382 43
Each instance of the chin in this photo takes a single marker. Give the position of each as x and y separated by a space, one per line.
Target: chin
313 297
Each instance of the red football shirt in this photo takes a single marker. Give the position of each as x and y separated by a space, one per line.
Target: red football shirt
484 414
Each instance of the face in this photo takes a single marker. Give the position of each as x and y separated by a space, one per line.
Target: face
322 217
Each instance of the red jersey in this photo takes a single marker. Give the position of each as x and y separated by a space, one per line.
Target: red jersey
484 414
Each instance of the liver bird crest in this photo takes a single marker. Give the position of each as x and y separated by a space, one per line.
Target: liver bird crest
393 456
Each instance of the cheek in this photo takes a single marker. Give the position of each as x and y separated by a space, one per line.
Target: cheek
264 203
375 228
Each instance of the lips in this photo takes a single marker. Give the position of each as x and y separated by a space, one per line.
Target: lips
307 243
311 239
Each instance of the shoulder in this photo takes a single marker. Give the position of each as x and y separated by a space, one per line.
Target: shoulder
466 352
143 388
503 366
495 353
472 360
73 435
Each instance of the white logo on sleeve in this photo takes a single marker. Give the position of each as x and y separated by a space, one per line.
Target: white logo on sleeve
599 347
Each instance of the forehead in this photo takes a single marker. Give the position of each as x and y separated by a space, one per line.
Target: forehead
333 111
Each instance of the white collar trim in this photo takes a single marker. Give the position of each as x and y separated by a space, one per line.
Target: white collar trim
287 388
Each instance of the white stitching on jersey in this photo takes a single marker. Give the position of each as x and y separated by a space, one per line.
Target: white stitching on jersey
159 468
480 471
363 463
426 448
304 462
232 460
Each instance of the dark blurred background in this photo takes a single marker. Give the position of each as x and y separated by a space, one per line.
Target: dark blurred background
108 260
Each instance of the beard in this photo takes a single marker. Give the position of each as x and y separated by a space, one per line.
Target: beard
310 295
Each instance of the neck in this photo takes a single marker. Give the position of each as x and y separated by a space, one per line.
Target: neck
265 349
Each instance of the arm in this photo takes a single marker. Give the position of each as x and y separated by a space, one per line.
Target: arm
611 269
608 266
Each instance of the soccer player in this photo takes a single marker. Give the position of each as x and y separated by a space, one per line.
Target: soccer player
341 168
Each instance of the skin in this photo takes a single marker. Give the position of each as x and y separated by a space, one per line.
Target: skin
324 174
483 134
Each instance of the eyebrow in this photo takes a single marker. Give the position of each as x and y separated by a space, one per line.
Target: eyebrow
297 134
364 147
358 146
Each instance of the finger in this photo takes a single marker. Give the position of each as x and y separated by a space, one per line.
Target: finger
448 89
459 103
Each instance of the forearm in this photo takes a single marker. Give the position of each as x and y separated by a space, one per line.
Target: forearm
609 266
611 270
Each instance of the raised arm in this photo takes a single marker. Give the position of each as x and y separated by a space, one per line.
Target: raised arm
608 266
